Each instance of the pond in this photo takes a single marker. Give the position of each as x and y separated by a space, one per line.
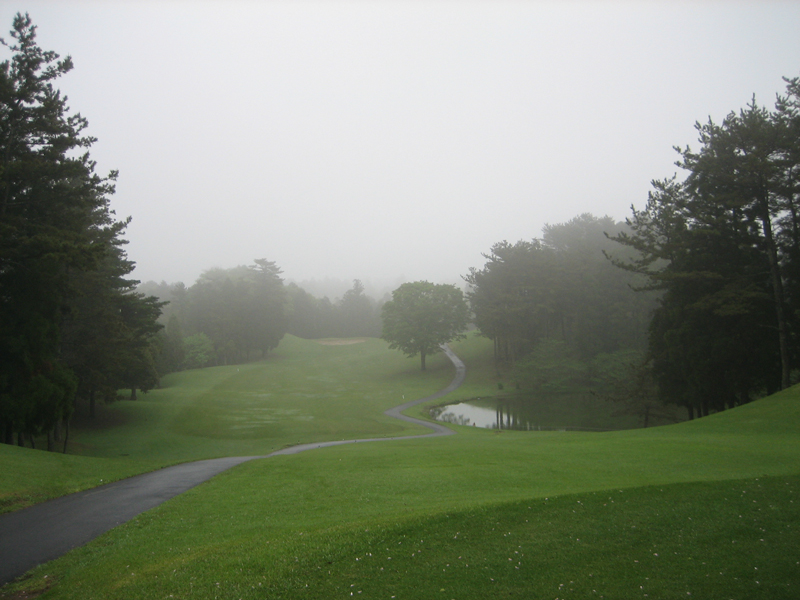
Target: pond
564 412
465 413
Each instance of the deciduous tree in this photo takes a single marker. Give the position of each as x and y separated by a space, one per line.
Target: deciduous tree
421 316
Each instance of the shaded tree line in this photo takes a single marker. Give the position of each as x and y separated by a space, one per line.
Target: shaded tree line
559 288
722 245
562 317
353 315
227 317
233 315
72 325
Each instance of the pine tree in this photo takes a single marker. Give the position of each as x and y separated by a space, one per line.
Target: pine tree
58 238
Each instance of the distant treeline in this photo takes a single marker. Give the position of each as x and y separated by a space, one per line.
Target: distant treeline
563 318
233 315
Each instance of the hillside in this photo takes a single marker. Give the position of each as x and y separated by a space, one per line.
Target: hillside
323 518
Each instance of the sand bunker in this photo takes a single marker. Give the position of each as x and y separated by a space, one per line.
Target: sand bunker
341 342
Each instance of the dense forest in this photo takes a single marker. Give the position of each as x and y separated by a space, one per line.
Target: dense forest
563 318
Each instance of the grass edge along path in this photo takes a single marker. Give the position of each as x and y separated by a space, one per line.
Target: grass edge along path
397 413
45 531
307 391
285 523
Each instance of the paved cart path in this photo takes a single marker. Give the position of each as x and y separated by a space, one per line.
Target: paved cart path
43 532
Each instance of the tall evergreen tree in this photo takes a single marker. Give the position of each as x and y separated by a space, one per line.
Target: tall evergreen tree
723 245
57 234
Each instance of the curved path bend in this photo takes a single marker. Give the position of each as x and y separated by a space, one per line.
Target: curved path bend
40 533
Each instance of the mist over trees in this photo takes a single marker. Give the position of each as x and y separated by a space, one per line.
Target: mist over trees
353 315
724 247
71 323
715 258
560 289
421 316
229 316
692 301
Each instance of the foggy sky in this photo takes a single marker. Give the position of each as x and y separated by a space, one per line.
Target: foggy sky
393 141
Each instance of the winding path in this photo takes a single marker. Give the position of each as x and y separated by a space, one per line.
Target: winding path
43 532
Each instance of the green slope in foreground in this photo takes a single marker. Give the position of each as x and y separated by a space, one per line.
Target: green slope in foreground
706 509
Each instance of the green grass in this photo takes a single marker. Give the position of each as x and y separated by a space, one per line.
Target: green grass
304 392
31 476
707 508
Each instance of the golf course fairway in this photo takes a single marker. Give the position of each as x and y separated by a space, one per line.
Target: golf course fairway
704 509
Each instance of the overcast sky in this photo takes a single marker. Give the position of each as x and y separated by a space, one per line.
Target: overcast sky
387 140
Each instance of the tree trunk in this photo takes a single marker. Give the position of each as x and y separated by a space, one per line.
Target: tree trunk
51 441
777 294
91 404
8 433
66 436
422 358
133 393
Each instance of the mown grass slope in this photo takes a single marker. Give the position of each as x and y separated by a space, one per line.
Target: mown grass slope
306 391
706 509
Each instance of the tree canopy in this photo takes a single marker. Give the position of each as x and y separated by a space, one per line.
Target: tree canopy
723 245
69 320
560 287
421 316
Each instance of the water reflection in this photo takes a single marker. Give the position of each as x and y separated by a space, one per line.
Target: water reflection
501 413
503 416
